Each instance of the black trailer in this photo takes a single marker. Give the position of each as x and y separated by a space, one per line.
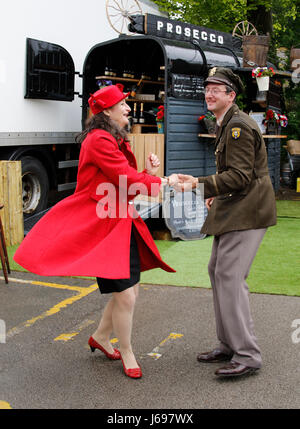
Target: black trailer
185 65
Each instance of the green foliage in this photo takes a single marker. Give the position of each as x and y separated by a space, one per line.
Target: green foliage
292 97
224 14
219 14
241 101
286 22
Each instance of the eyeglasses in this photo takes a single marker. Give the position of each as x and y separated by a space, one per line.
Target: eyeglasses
213 91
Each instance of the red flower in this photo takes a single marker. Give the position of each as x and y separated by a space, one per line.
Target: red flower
160 115
269 114
201 118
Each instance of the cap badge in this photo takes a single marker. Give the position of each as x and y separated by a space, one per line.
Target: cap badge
212 71
235 132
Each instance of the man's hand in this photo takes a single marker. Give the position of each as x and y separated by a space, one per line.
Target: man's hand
152 164
209 202
186 182
182 182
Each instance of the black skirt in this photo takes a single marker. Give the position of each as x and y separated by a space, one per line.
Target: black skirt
118 285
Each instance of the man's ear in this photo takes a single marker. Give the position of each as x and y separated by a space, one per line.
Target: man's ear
233 95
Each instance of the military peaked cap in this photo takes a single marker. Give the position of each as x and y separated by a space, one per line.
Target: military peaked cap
225 76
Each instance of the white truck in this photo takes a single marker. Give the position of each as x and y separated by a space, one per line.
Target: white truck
44 45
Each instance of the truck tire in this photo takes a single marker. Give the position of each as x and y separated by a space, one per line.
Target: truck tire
35 186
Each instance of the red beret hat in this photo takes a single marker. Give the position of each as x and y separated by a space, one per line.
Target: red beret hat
106 97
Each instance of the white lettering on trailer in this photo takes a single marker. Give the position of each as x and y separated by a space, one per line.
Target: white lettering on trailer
189 32
203 35
160 25
178 29
195 34
169 27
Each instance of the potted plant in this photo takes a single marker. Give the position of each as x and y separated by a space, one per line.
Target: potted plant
274 120
262 75
160 119
208 121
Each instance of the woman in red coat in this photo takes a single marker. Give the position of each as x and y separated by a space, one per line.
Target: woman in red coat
97 231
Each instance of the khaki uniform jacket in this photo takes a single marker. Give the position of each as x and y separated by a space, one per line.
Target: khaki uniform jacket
244 193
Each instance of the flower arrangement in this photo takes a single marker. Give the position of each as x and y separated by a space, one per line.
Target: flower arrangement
210 116
208 121
275 118
103 82
263 72
160 114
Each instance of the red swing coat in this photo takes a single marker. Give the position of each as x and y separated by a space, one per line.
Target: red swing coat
88 233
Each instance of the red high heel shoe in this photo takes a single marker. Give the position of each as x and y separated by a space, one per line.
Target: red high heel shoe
94 345
132 372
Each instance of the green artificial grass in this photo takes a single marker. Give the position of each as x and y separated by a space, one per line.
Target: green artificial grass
188 258
275 269
287 208
13 265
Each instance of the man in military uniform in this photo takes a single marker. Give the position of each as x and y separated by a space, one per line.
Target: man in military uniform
241 204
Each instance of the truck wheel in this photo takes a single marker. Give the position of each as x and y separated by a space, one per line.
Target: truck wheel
35 186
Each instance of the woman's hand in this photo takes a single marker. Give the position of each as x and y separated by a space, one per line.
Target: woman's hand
152 164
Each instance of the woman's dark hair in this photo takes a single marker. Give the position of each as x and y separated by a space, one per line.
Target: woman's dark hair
103 122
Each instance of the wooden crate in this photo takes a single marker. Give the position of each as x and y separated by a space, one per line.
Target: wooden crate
142 145
293 146
11 198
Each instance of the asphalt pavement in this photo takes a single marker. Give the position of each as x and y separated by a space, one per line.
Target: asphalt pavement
46 363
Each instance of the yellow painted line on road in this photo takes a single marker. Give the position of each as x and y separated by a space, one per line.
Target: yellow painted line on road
71 335
172 336
54 285
158 351
81 293
5 406
66 337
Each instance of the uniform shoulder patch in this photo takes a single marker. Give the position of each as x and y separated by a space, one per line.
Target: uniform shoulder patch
236 133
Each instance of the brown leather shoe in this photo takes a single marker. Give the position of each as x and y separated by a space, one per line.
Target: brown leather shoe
213 356
235 369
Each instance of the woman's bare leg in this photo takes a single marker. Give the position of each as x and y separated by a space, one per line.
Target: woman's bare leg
105 328
122 317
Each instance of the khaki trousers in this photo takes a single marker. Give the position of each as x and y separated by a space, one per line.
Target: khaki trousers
229 266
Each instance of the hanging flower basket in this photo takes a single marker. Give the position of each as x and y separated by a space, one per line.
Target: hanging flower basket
262 75
208 121
274 121
210 125
263 83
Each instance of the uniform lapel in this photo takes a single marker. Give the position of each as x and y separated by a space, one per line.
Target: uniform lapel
225 121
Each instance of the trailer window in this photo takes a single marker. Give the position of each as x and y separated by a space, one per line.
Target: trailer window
50 72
